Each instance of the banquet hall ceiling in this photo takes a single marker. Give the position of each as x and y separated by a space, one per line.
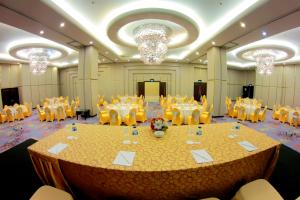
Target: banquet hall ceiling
109 25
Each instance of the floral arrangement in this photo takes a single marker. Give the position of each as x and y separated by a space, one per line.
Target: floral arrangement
158 124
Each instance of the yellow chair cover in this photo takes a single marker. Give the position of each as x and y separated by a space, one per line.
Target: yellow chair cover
194 119
177 118
114 118
130 119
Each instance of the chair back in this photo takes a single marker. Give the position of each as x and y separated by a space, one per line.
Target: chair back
175 116
47 113
60 112
113 117
132 116
19 110
9 114
195 116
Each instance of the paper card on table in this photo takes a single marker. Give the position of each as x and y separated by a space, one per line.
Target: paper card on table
192 142
232 135
247 145
124 158
71 137
56 149
201 156
126 142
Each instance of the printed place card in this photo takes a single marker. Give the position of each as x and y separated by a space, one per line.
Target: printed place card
56 149
201 156
124 158
247 145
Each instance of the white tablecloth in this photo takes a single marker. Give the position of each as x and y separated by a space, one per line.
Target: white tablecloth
124 99
186 110
122 109
249 108
14 111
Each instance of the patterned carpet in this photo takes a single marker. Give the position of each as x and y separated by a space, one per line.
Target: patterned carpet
14 133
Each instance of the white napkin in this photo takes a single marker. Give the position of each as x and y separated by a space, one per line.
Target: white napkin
232 135
126 142
201 156
56 149
247 145
71 137
192 142
124 158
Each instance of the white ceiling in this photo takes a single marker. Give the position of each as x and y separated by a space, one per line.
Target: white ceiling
11 36
210 17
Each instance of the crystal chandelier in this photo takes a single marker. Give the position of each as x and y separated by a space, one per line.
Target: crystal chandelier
264 60
38 61
152 40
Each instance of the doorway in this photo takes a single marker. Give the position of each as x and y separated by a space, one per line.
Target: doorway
199 90
10 96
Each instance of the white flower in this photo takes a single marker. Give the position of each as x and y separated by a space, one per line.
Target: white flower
158 124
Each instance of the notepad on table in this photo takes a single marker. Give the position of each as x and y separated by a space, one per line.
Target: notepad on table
56 149
247 145
124 158
201 156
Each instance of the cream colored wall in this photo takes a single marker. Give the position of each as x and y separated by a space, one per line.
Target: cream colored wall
281 87
32 88
114 79
237 79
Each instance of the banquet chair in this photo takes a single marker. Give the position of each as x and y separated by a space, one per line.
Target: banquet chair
10 117
194 118
28 112
256 190
128 100
295 119
41 113
47 192
262 114
233 111
177 118
283 117
77 102
141 115
205 117
114 100
102 116
276 112
100 100
241 114
19 113
254 115
3 117
130 119
49 114
71 112
60 114
167 112
114 118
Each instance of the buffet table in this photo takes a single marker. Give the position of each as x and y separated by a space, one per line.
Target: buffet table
163 168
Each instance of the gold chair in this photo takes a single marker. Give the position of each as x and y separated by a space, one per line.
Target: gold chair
47 192
283 117
19 113
49 115
254 115
28 112
262 114
257 190
42 114
295 119
114 118
205 117
168 115
241 114
141 115
194 118
60 114
177 118
276 112
71 112
10 116
103 117
3 118
130 119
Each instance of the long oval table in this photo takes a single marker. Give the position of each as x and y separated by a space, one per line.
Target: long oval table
163 168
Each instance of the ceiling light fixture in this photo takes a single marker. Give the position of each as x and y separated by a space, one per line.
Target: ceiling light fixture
42 32
197 53
264 33
213 43
243 25
152 40
264 60
62 24
91 42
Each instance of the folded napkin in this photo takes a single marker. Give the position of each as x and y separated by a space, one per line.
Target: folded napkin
232 135
71 137
247 145
192 142
56 149
124 158
201 156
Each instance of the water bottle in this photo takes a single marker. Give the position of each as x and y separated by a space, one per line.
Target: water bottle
74 127
134 131
199 131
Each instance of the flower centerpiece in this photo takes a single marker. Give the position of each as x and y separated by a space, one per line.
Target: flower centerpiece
159 126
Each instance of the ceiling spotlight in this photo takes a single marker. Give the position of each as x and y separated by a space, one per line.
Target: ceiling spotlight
62 24
197 53
264 33
106 52
200 60
242 24
213 43
41 32
128 60
91 42
103 59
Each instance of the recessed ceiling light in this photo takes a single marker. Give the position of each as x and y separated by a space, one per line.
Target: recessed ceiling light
242 24
264 33
197 53
62 24
106 52
213 43
91 42
103 59
128 60
41 32
200 60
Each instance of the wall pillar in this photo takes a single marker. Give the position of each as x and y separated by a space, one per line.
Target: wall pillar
87 78
217 79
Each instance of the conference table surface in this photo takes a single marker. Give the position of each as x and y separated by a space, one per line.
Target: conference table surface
163 168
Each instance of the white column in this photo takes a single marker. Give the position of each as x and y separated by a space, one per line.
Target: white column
87 78
217 79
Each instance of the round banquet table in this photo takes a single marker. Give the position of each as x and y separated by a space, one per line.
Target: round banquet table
122 109
124 99
186 110
14 111
249 108
163 168
53 107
